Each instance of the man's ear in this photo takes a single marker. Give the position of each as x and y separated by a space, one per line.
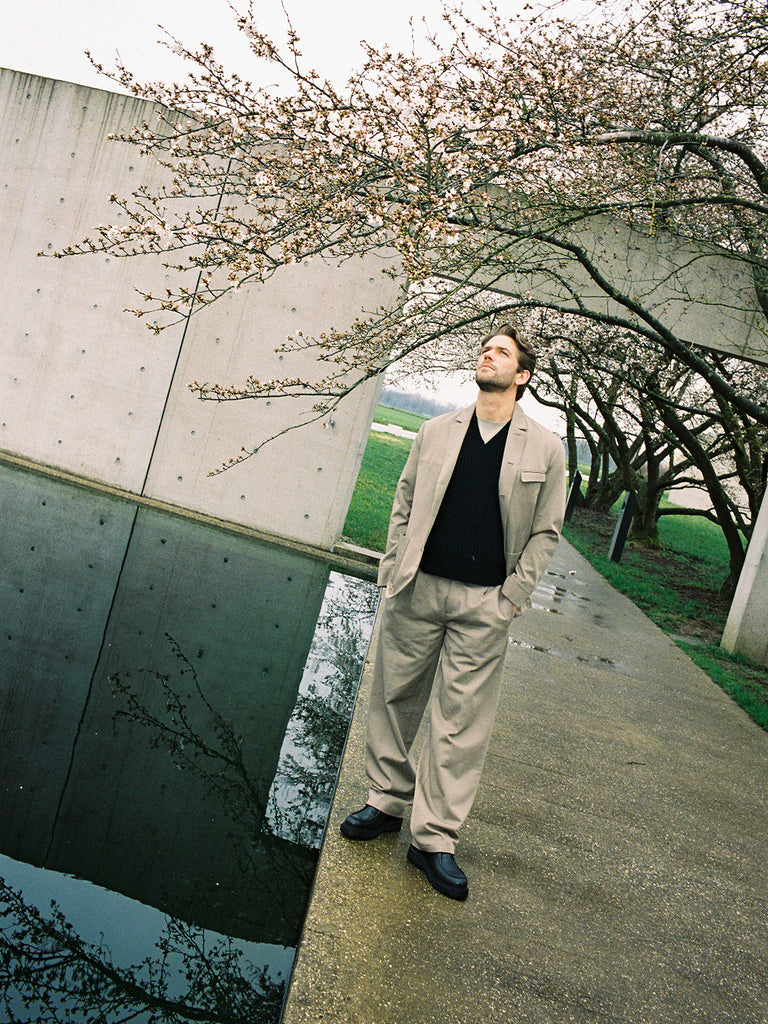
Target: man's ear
522 376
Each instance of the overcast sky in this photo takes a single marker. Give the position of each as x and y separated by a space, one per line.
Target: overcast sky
50 37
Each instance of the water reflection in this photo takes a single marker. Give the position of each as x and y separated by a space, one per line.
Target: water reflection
173 705
52 971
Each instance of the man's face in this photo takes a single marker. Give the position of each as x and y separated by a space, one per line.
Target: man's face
497 367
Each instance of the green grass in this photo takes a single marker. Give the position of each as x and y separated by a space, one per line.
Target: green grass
746 684
398 418
698 539
677 587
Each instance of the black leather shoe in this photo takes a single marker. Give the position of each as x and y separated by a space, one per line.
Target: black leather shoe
442 871
369 823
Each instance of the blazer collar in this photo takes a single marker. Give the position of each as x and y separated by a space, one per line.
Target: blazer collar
519 419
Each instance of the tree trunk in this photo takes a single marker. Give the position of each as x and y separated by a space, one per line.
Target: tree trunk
645 524
570 438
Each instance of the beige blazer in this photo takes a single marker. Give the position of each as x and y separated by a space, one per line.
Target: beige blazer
531 496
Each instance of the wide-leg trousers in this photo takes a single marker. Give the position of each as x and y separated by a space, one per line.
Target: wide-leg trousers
440 656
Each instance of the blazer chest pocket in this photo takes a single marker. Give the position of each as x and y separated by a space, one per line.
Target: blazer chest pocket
532 476
528 491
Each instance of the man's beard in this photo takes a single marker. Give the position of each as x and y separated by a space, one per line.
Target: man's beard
493 383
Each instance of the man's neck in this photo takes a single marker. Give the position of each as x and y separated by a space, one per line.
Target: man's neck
496 406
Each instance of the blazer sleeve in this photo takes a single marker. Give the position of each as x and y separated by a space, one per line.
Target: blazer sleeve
544 535
401 509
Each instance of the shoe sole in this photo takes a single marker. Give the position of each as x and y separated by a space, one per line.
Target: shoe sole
353 832
454 892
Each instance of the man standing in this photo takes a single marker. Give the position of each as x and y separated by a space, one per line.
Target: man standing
476 518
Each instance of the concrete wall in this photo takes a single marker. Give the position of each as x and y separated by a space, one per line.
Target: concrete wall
700 292
86 387
746 631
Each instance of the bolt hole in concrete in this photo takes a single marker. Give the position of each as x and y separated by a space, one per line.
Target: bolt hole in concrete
166 766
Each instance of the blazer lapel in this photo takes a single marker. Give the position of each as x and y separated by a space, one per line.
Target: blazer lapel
454 439
513 453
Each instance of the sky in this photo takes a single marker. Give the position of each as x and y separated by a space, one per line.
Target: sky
50 37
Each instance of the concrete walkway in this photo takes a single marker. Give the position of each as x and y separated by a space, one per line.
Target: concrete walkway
617 851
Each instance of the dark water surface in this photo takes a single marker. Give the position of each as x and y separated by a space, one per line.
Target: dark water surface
174 702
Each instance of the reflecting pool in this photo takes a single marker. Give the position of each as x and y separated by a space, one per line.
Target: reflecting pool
174 701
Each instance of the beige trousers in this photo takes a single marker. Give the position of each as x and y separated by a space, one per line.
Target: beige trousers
441 651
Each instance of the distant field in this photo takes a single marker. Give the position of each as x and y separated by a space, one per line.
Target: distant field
398 418
385 455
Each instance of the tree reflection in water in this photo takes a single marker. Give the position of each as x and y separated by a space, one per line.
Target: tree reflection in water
51 975
303 787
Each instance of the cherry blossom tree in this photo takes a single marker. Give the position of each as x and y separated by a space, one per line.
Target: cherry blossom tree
476 168
652 424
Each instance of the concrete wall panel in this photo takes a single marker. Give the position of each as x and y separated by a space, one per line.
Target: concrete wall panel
746 631
86 387
83 383
299 485
702 293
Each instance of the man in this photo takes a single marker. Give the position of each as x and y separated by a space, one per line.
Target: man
476 518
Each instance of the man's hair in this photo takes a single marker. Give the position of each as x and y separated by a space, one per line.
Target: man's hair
526 354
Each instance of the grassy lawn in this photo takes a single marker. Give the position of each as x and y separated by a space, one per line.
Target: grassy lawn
677 587
371 505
